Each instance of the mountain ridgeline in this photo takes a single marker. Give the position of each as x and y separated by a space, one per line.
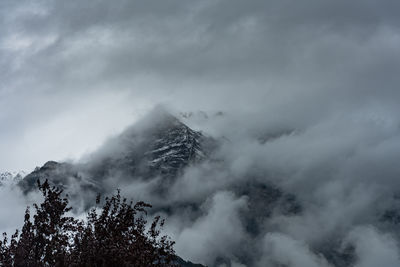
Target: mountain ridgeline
142 152
156 152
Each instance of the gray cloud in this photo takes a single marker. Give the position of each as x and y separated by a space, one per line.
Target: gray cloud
13 205
283 250
375 248
325 73
219 233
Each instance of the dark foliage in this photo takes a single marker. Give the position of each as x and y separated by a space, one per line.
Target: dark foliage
113 235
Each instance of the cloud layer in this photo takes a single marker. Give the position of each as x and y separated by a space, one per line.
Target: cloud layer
309 92
68 67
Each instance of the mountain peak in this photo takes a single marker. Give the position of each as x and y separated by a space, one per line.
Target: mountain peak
175 146
158 145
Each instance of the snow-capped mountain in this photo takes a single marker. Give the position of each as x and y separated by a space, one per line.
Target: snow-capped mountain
155 153
11 178
163 148
152 157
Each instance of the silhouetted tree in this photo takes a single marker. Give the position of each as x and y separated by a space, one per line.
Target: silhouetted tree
117 235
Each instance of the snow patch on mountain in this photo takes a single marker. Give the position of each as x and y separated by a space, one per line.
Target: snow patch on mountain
11 178
175 147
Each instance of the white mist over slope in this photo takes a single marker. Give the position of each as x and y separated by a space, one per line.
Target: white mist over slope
342 169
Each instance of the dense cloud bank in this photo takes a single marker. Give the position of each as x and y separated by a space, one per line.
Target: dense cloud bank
65 66
304 94
342 170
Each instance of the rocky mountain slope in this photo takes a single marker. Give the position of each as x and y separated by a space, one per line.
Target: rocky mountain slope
163 149
156 152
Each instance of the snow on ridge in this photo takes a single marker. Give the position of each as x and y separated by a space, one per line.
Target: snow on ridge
175 147
11 178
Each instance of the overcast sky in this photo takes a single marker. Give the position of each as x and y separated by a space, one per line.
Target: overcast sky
74 72
324 72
